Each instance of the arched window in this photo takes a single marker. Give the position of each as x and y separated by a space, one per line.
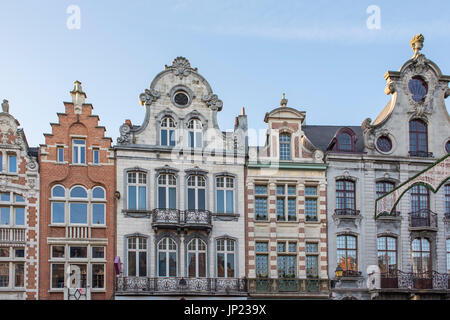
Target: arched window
387 254
196 258
225 194
167 132
195 130
347 254
78 206
196 192
98 206
225 258
384 187
167 191
285 146
58 192
421 254
345 195
167 258
418 138
344 142
137 257
137 190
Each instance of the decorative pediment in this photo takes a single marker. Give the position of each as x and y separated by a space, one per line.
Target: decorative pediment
213 102
149 96
181 67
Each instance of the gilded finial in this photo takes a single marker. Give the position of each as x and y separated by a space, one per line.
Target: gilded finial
417 44
284 101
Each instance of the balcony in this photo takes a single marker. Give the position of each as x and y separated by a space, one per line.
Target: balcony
421 154
12 235
424 219
283 286
418 281
183 286
347 214
178 219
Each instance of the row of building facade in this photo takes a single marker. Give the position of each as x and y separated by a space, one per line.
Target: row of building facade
178 208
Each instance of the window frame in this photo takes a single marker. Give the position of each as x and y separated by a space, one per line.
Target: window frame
346 248
165 125
386 252
195 126
167 252
226 252
415 136
225 189
285 141
346 193
77 156
137 184
287 199
197 253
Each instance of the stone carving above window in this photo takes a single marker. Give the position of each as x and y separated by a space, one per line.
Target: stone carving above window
149 96
181 67
213 102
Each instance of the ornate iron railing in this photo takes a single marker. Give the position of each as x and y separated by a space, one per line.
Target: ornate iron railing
179 218
146 285
347 212
422 154
413 280
287 285
423 218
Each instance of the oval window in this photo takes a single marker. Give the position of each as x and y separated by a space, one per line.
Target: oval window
384 144
181 98
418 88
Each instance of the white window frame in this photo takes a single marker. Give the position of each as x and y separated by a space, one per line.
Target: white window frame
196 253
168 124
167 250
225 252
225 187
79 160
137 183
195 126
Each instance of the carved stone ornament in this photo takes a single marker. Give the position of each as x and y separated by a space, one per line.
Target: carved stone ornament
5 106
213 102
125 134
31 164
368 134
181 67
149 96
417 44
390 88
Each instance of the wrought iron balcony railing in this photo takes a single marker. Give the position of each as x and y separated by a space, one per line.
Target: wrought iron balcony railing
287 285
421 154
424 218
174 286
181 219
347 212
410 280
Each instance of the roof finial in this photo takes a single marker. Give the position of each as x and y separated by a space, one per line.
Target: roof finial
5 106
243 111
78 97
284 101
417 44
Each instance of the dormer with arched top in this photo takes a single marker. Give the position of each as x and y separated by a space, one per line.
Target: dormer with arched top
415 122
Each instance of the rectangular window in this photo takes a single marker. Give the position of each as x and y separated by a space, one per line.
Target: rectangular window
312 260
4 252
310 191
98 276
79 151
164 137
60 154
98 213
286 203
12 163
4 275
19 216
137 191
280 210
57 276
58 251
131 263
1 162
19 275
4 216
78 213
287 259
19 198
5 196
260 208
78 252
162 264
96 155
58 212
98 252
262 259
19 253
311 209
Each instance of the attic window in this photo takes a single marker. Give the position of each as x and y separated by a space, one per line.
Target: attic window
181 98
344 142
418 88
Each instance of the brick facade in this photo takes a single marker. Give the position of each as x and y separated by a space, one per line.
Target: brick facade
77 122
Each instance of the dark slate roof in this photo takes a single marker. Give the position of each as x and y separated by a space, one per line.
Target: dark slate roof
321 136
34 152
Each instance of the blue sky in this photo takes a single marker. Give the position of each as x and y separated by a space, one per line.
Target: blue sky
320 53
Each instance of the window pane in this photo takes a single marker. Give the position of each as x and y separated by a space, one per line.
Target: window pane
191 199
58 191
82 155
4 216
280 209
260 189
202 264
18 274
4 252
58 212
164 137
162 197
98 213
311 191
96 160
220 201
201 199
78 213
5 196
142 264
172 198
311 209
12 163
4 274
19 216
198 137
98 193
57 276
261 208
78 192
162 264
1 162
230 265
230 208
172 264
262 269
98 276
58 251
191 139
292 216
142 198
220 265
78 252
172 138
131 263
60 154
191 265
131 197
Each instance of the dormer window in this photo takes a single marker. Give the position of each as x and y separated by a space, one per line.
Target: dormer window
168 132
285 146
344 142
195 130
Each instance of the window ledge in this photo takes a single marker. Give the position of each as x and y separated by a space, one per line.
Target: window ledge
20 289
78 165
312 222
137 213
225 216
